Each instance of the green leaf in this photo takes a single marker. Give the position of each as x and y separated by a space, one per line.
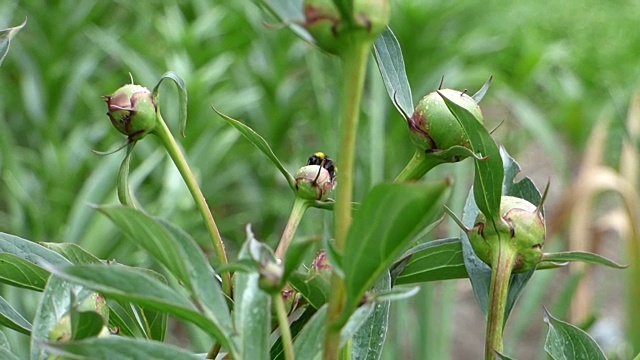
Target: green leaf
117 321
316 290
479 272
129 284
296 252
290 13
368 341
5 349
73 252
85 324
390 62
54 305
30 251
118 347
262 145
433 261
154 321
478 96
11 318
5 39
22 273
489 173
502 357
182 93
252 311
122 184
389 218
586 257
566 341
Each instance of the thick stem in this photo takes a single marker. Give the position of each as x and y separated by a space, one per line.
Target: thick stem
354 64
300 206
283 321
170 144
417 167
503 261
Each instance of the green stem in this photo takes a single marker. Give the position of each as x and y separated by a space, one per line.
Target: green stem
504 259
354 62
300 206
283 321
418 166
170 144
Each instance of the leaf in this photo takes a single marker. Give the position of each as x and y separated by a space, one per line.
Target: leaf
252 311
30 251
346 8
129 284
478 96
122 184
118 347
5 349
566 341
54 305
389 218
502 357
295 255
390 62
182 93
290 12
262 145
489 173
11 318
586 257
22 273
316 290
432 261
368 341
73 252
5 39
85 324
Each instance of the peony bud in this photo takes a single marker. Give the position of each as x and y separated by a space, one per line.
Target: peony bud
523 230
433 126
132 111
314 182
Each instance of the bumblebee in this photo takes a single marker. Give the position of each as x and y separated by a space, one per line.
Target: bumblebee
324 161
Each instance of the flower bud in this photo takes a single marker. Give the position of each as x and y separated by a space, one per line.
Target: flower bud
523 231
314 182
433 126
132 111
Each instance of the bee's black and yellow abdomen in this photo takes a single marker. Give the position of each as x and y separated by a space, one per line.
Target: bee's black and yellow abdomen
323 160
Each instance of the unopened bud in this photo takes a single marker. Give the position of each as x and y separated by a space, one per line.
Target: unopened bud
314 182
132 111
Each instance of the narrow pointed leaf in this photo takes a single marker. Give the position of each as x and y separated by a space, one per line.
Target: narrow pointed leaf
478 96
182 93
5 39
566 341
262 145
85 324
5 349
586 257
316 290
122 184
29 250
489 173
118 347
12 319
390 62
290 14
295 255
18 272
432 261
73 252
386 222
369 340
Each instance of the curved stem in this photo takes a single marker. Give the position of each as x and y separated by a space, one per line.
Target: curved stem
283 321
417 167
300 206
170 144
504 259
354 62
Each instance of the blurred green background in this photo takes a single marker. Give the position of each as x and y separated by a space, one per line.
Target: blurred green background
558 68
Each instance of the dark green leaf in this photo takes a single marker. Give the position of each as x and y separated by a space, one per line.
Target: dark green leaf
182 93
368 341
129 284
85 324
11 318
389 218
295 255
316 290
118 347
252 311
118 322
525 188
566 341
262 145
73 253
489 173
478 96
122 184
433 261
388 56
502 357
155 322
586 257
22 273
5 39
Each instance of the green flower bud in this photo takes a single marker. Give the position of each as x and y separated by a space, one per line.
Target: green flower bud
132 111
523 230
314 182
333 34
433 126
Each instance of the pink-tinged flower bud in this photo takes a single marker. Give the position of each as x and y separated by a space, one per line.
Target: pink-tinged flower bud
132 111
433 126
314 182
524 233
